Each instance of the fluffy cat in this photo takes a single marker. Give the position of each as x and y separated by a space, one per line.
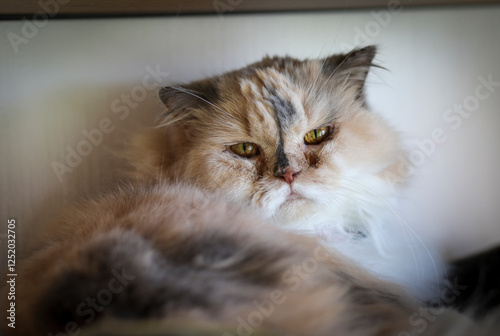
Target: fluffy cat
280 144
295 141
173 260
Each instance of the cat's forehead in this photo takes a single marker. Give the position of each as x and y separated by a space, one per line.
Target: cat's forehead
274 98
270 102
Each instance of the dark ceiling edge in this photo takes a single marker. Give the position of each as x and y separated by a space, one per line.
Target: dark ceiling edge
17 17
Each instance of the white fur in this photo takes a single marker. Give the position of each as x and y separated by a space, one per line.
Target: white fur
390 248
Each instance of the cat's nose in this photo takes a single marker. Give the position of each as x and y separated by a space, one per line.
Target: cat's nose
289 174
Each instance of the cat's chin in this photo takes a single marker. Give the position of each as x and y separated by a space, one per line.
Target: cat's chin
296 209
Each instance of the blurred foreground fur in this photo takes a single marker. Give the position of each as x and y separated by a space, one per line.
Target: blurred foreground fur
172 260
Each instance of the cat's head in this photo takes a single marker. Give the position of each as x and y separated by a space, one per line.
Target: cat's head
292 137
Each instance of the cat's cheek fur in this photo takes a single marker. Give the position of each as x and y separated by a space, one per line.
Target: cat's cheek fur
366 145
215 170
268 195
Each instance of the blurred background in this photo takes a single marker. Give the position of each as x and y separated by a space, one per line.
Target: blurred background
72 89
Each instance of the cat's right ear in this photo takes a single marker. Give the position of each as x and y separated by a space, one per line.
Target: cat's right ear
182 103
178 102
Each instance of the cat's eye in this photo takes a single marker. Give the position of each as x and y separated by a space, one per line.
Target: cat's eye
245 149
317 136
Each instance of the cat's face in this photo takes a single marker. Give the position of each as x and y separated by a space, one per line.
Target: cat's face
293 138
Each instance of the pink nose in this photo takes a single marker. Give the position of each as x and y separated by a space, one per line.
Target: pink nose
289 175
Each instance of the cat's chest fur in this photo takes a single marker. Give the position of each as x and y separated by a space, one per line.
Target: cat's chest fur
368 230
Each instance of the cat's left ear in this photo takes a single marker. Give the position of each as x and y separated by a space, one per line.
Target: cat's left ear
351 69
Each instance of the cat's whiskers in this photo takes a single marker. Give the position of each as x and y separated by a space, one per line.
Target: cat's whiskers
379 242
406 228
333 72
161 175
421 242
227 114
367 191
257 196
324 59
346 80
311 88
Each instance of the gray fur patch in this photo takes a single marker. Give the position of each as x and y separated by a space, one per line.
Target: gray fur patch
285 115
283 109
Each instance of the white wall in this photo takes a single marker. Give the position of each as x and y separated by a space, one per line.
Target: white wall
67 75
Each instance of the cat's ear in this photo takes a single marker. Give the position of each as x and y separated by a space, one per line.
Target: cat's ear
351 69
182 102
177 101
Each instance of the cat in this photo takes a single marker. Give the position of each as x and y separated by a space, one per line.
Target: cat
202 242
174 260
295 141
